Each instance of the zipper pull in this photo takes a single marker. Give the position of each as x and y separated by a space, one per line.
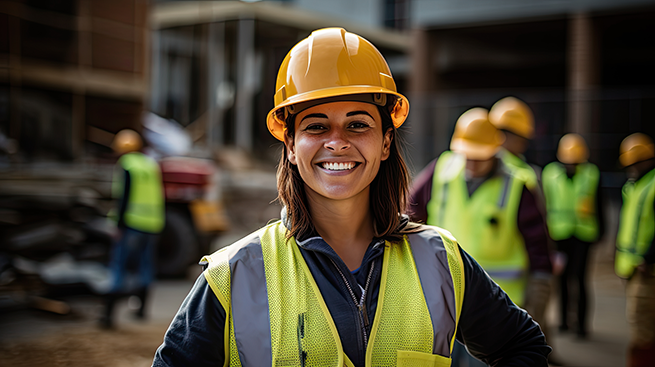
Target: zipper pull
362 309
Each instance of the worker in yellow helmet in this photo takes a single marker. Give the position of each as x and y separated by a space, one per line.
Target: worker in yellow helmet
139 216
635 246
571 188
343 279
515 119
487 206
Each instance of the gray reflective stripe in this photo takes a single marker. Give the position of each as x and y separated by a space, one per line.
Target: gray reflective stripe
501 201
432 265
506 274
250 312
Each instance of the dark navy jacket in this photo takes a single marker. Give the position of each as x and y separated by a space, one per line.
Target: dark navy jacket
492 327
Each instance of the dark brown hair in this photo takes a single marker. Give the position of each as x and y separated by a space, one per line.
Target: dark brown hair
388 191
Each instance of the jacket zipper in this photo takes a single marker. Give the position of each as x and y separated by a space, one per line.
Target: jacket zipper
361 304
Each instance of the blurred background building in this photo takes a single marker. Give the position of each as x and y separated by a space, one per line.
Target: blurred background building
75 72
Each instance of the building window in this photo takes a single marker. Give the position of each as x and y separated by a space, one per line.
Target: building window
396 14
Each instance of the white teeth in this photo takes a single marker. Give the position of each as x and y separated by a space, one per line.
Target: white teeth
338 166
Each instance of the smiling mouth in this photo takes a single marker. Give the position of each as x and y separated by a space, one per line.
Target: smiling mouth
334 166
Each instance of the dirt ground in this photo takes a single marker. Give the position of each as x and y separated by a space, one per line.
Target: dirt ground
37 338
129 346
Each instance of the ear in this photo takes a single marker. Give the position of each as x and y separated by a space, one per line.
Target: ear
290 147
386 144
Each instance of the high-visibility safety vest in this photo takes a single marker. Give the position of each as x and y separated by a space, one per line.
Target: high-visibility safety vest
145 210
571 202
636 224
521 168
485 223
276 315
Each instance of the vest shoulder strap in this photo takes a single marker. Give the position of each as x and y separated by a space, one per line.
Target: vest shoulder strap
456 268
218 276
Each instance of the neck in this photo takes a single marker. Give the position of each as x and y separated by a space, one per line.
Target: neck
346 225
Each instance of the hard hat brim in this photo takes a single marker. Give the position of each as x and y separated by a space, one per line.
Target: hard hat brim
571 158
474 151
633 156
277 126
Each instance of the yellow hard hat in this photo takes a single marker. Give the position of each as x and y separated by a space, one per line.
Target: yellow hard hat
572 149
475 136
126 141
513 115
333 63
636 148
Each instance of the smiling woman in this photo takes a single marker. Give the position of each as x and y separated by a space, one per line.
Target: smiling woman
344 279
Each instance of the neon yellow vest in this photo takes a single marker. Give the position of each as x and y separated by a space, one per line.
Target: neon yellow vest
571 203
484 224
145 207
521 169
301 327
636 224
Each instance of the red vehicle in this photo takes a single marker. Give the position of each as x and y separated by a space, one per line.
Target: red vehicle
194 213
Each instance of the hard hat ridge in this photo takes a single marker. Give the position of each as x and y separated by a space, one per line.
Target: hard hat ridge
126 141
572 149
636 148
475 136
513 115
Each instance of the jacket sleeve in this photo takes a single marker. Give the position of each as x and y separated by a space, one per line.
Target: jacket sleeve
493 328
122 201
420 194
196 334
532 225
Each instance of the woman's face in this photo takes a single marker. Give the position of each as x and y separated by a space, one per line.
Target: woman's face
338 148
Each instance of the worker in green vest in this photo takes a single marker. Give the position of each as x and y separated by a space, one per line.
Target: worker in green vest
635 248
571 186
489 208
515 119
344 279
139 216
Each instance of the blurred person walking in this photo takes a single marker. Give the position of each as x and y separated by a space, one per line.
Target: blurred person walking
635 249
344 279
571 187
489 207
140 214
515 119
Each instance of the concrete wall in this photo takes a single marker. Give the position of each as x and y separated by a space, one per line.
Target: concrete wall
365 12
429 13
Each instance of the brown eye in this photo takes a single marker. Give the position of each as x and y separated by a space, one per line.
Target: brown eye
359 125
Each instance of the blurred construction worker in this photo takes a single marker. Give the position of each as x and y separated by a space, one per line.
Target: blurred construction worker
572 190
514 118
489 207
140 214
344 279
635 248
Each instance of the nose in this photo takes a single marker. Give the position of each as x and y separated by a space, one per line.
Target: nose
336 142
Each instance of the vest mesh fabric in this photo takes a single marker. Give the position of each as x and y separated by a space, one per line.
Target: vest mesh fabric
636 225
218 278
484 223
145 204
300 324
571 203
302 330
392 331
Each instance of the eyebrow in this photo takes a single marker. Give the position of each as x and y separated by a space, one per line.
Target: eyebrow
353 113
319 115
